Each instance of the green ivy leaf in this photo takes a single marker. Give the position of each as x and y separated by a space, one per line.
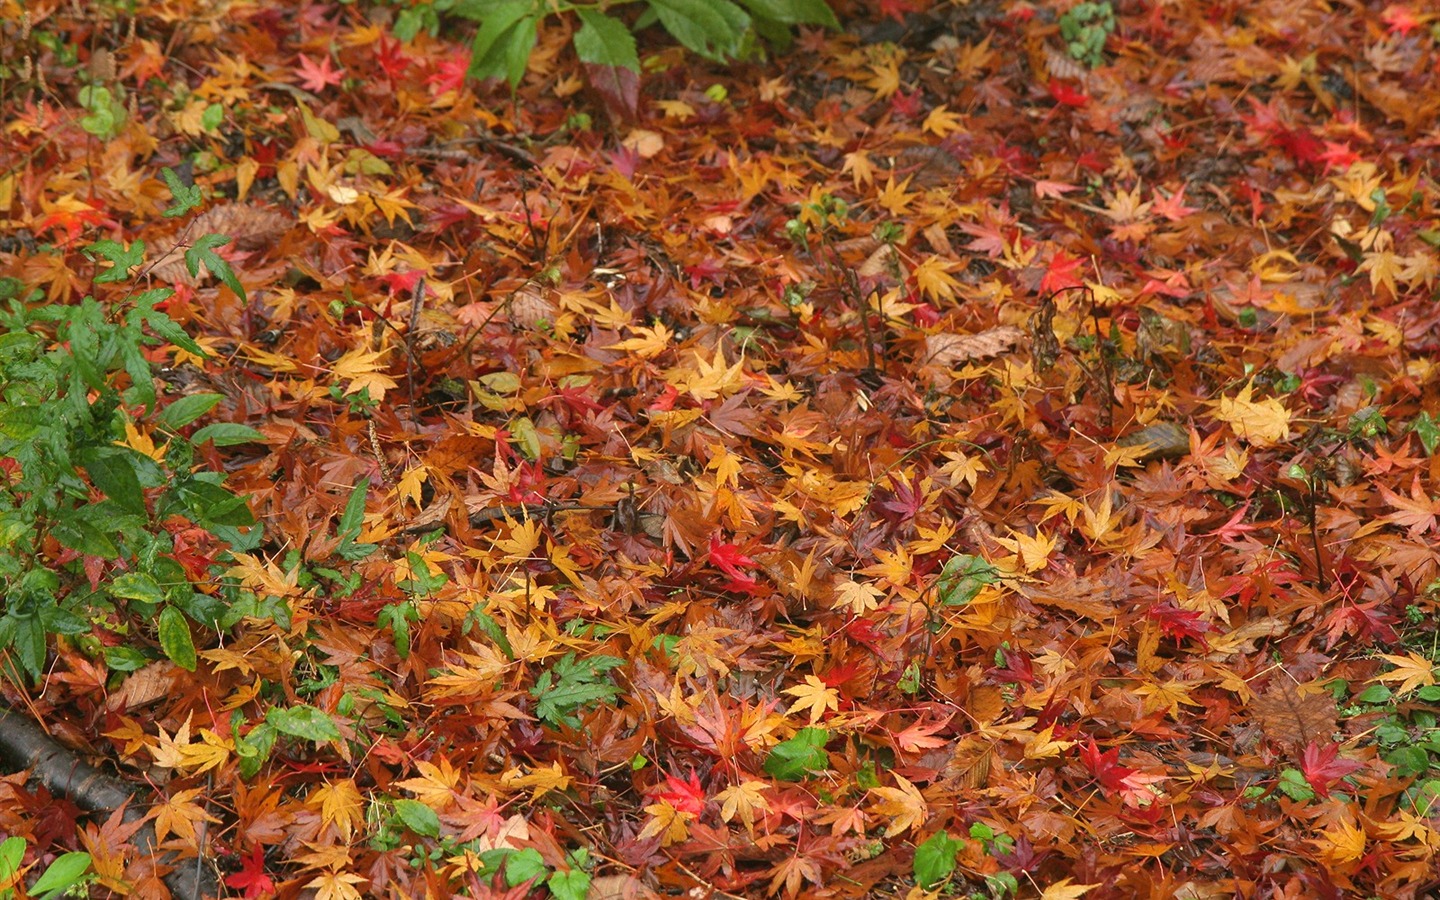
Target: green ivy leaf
123 259
175 638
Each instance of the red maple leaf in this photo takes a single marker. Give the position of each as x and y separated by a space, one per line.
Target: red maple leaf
315 77
1105 766
1323 766
685 794
252 878
1062 272
728 559
1178 623
1066 95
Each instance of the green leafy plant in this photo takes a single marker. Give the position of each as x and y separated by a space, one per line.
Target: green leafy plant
715 29
100 493
802 754
572 685
66 872
1085 29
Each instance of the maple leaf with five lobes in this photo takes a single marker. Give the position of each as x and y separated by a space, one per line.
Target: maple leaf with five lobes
670 824
317 77
361 368
1261 422
252 878
744 801
814 695
336 886
904 804
1418 513
1412 671
1323 766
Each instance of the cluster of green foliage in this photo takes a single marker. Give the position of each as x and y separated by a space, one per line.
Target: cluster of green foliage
66 874
715 29
84 542
1085 28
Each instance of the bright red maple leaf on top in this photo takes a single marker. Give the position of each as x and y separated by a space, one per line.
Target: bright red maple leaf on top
1105 766
685 794
728 559
317 77
1323 766
252 878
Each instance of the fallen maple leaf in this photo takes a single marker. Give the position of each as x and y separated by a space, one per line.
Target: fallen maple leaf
1065 890
814 695
1412 671
252 878
1261 422
904 804
317 77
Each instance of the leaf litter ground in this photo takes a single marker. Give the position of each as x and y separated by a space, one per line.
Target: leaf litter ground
921 440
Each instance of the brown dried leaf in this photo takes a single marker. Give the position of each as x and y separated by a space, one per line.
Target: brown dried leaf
948 349
1295 714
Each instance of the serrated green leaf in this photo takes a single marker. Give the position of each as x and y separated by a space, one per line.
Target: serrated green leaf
202 252
305 722
712 28
794 12
605 41
502 46
115 475
186 198
802 754
175 638
935 859
418 817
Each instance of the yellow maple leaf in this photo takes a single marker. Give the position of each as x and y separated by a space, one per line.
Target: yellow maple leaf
743 801
1044 745
361 368
1263 423
861 598
814 695
336 886
408 487
904 804
1343 843
1412 671
671 824
1064 890
178 814
934 279
340 805
650 343
942 123
711 379
539 781
436 785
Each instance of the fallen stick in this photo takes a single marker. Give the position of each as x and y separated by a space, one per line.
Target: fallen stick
24 746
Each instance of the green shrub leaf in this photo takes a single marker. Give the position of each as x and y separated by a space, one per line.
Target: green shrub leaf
605 41
175 638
